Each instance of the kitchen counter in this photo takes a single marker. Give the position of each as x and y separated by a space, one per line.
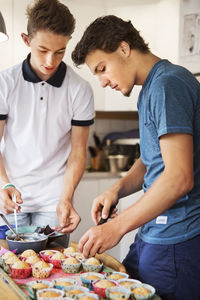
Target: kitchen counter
102 175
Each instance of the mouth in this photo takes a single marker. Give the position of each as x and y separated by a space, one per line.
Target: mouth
48 69
115 87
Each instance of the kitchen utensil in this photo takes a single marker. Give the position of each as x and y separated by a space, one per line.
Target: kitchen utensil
15 212
97 141
117 163
17 237
35 241
102 221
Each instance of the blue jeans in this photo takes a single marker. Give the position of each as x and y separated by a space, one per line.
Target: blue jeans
174 270
40 219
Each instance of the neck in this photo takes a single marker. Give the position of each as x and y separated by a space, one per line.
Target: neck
145 63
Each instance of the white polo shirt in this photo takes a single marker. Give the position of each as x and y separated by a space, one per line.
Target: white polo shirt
37 138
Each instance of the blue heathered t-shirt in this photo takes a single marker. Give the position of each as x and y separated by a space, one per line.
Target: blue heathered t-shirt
169 102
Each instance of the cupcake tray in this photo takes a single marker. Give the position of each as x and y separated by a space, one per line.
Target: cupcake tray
19 287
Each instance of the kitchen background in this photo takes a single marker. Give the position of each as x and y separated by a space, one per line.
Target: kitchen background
167 25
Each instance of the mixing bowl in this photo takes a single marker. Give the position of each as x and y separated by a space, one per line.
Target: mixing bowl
117 162
34 241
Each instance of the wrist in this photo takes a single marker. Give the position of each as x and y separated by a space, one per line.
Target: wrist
7 185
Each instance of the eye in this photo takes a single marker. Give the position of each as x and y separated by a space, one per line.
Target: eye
101 69
60 53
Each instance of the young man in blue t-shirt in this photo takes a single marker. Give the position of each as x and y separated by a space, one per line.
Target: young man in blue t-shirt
165 252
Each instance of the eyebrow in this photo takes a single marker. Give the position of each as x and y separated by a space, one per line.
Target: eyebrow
40 46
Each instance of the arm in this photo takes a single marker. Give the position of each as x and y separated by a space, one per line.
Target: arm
7 206
125 186
175 181
68 217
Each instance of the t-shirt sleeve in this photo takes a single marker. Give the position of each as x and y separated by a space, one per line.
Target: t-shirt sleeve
3 98
172 107
83 106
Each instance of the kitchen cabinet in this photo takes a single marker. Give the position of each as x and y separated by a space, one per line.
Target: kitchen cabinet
87 190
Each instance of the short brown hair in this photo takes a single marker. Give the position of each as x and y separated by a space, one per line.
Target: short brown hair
106 33
50 15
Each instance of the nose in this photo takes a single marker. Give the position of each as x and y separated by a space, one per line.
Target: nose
50 59
103 81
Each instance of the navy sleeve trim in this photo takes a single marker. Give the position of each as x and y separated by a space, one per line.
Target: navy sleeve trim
3 117
82 123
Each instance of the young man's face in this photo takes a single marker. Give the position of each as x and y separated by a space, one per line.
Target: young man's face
47 51
113 69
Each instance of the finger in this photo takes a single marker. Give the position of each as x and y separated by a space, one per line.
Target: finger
96 212
82 243
106 210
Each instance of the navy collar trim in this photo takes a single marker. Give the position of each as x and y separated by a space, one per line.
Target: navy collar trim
29 75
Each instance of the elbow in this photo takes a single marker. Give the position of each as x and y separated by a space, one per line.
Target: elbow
186 184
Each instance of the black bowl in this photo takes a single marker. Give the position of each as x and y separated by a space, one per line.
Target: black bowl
34 241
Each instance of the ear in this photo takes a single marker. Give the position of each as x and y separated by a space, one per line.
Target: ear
125 48
26 39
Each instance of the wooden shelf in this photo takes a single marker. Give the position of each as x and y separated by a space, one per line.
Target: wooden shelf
117 115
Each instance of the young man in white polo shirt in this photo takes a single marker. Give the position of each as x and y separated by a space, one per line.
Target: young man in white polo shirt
45 113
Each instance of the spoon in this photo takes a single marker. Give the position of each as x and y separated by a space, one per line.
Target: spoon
17 237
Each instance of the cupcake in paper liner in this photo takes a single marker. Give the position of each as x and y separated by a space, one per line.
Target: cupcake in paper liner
5 256
56 258
49 293
92 264
33 259
41 269
27 253
117 292
70 265
69 251
61 283
142 291
88 277
128 283
88 296
9 262
46 254
20 269
36 285
116 275
75 290
101 285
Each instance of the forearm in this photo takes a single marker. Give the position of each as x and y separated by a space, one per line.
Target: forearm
3 176
74 171
132 182
164 192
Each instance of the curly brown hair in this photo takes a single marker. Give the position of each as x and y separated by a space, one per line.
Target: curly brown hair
50 15
106 33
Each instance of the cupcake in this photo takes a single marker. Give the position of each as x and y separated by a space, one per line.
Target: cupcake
89 277
27 253
69 250
117 292
70 265
92 264
61 283
128 282
9 261
20 269
33 259
34 286
74 290
117 275
42 269
88 296
7 255
49 293
142 291
100 286
56 258
46 254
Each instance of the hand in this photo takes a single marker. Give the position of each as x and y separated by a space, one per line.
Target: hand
100 238
101 206
68 217
7 206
